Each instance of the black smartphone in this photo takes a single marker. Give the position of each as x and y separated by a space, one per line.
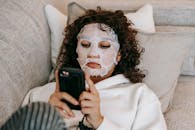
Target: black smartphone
72 81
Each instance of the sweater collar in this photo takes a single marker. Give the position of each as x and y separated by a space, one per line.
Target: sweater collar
111 81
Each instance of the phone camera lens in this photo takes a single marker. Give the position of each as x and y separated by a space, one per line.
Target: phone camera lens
65 73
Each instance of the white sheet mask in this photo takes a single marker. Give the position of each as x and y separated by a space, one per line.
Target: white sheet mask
104 56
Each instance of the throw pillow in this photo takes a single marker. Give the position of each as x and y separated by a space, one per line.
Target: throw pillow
57 22
188 67
163 58
143 19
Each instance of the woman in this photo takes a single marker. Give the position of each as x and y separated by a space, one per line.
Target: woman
104 46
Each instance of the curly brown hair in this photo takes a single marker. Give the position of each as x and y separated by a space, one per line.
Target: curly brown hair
129 48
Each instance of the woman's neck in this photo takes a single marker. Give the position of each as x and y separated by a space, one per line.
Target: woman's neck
97 79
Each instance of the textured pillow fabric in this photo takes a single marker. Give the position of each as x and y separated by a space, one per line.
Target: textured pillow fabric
163 58
57 22
166 12
182 114
143 19
188 67
24 51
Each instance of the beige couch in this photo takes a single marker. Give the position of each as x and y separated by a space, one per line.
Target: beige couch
25 51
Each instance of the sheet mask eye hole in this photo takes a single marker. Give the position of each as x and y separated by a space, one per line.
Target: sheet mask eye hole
104 44
85 44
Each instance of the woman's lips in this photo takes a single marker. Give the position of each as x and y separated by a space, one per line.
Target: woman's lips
93 65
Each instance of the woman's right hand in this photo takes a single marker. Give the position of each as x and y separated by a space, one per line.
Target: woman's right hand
56 100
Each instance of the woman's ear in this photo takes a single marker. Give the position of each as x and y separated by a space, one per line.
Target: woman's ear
118 58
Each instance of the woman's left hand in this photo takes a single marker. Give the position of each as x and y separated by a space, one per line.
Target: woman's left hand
90 104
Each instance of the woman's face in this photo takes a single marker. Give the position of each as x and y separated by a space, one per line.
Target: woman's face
97 49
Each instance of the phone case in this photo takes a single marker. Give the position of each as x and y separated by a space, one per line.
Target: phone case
72 81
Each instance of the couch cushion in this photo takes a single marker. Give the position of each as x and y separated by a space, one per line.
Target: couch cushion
142 18
24 51
57 22
188 67
181 115
166 12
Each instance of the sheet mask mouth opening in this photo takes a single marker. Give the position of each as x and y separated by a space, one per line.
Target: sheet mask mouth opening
93 65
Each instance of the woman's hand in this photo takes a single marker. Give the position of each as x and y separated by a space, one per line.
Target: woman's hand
90 104
56 100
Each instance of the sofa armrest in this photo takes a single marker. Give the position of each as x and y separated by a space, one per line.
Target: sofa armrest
24 51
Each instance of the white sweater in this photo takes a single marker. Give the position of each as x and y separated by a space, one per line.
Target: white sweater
125 106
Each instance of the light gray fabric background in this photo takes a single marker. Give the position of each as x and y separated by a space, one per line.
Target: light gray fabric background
182 114
162 59
189 62
166 12
24 51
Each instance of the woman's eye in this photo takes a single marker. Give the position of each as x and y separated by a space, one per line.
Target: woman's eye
104 45
85 44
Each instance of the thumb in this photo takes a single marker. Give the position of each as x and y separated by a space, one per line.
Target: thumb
57 81
90 83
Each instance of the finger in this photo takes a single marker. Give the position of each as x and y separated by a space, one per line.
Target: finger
57 81
91 84
87 110
87 89
60 111
87 104
63 106
55 101
67 97
86 96
63 113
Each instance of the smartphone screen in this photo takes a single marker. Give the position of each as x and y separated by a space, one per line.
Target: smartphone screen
72 81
